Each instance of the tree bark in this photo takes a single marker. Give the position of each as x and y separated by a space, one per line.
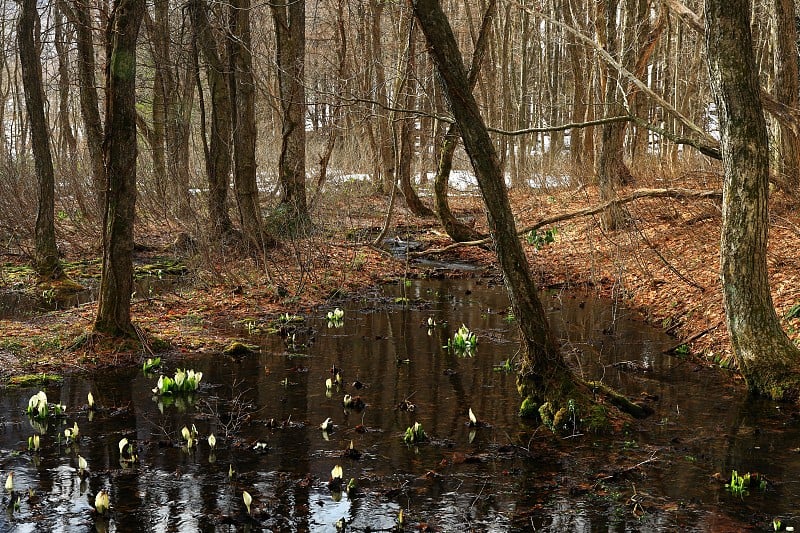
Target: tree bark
290 49
67 144
457 230
610 166
787 91
767 358
545 375
46 260
406 136
81 18
119 148
218 157
243 113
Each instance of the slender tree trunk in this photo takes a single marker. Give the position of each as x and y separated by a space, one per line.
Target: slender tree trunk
406 136
81 18
218 157
242 90
610 165
119 147
46 260
384 155
161 93
290 40
67 144
767 358
546 374
457 230
787 91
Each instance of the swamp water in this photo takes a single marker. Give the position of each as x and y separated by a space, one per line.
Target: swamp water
266 409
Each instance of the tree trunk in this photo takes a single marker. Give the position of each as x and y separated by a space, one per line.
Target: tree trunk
767 358
384 155
46 260
218 157
67 144
610 165
290 48
457 230
242 90
81 19
119 147
406 136
787 91
545 376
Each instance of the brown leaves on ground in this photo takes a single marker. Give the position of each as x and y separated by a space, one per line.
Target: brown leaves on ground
664 262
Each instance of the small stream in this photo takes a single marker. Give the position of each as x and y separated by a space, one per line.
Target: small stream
266 409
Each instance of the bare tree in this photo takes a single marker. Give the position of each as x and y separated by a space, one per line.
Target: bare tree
769 361
218 150
119 148
46 260
243 113
290 39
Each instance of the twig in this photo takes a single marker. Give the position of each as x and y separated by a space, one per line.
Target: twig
692 338
631 468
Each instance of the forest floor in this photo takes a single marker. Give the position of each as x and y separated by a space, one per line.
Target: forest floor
664 263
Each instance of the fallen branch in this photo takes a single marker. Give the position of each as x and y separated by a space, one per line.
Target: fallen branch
693 338
678 193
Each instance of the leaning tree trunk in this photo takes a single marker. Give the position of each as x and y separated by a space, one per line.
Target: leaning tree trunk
545 376
119 147
767 358
457 230
46 260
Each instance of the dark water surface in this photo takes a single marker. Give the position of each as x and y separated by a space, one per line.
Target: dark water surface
658 476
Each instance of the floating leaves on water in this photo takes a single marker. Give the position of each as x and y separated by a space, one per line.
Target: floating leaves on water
101 502
247 499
